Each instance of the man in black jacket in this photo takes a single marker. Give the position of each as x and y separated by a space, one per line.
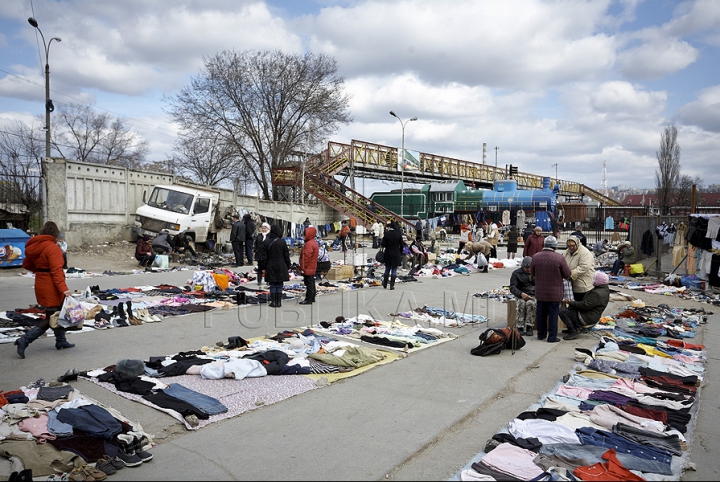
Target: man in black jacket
249 237
182 244
237 238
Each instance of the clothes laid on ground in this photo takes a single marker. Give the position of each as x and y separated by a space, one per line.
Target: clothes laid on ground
624 406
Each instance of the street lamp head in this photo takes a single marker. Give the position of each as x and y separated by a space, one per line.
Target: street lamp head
414 119
393 114
33 22
57 39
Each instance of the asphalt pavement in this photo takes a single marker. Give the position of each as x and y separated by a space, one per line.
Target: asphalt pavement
423 417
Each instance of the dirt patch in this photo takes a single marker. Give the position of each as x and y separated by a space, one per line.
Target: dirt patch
116 257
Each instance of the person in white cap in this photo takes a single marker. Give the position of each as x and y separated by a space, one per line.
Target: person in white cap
626 255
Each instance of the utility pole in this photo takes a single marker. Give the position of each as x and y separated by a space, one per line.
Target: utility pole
495 171
556 174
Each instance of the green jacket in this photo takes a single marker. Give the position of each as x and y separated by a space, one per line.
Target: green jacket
628 255
592 305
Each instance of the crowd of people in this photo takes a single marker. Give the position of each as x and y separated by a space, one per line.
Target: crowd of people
547 286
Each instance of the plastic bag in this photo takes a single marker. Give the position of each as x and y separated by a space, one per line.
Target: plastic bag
72 311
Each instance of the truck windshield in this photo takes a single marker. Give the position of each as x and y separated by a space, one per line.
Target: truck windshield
169 200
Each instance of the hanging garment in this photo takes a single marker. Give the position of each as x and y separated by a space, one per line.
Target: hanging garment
506 217
681 235
691 265
520 219
647 245
678 255
609 222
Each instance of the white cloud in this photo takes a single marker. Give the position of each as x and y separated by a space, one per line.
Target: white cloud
657 58
705 111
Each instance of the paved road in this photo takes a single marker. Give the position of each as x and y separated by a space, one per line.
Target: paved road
420 418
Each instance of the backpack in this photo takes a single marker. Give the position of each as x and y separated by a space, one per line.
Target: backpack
495 340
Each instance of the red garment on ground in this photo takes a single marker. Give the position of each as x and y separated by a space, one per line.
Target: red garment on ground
610 470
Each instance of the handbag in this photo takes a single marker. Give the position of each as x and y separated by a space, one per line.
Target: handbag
380 255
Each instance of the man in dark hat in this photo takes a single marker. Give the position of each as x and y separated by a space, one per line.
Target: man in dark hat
549 270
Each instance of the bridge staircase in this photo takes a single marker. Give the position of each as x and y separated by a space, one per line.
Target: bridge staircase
320 183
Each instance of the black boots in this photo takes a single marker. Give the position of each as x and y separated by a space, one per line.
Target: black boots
384 281
60 340
25 340
392 282
275 300
22 476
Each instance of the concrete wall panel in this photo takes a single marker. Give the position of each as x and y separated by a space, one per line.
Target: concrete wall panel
94 203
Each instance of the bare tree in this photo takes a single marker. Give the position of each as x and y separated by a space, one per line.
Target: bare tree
264 105
683 197
667 177
85 135
22 149
207 159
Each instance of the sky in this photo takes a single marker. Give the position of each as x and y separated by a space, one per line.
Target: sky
557 86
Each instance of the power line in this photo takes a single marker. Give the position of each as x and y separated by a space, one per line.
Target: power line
167 132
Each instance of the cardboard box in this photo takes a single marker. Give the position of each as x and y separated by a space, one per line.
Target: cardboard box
340 272
431 257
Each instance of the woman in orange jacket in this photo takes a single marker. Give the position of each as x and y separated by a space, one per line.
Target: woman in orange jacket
308 264
44 258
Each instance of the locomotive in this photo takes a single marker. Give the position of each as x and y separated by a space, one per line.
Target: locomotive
454 197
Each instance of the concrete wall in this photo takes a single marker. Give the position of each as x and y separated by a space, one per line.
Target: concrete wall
95 203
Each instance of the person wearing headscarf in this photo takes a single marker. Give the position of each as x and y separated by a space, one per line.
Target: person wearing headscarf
261 252
582 264
534 242
143 252
44 258
278 263
580 315
522 286
393 243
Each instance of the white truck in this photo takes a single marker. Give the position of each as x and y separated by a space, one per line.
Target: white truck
177 208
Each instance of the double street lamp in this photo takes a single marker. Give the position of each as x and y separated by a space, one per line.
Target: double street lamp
49 107
402 163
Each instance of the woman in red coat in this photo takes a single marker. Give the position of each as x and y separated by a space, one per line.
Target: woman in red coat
44 258
308 264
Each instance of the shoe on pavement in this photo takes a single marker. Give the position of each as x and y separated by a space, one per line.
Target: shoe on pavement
529 332
553 340
571 336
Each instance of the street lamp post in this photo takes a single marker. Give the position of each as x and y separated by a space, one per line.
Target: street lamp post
402 163
49 107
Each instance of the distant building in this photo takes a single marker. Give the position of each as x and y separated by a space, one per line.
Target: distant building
706 202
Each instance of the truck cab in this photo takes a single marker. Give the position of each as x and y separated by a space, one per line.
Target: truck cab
176 208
